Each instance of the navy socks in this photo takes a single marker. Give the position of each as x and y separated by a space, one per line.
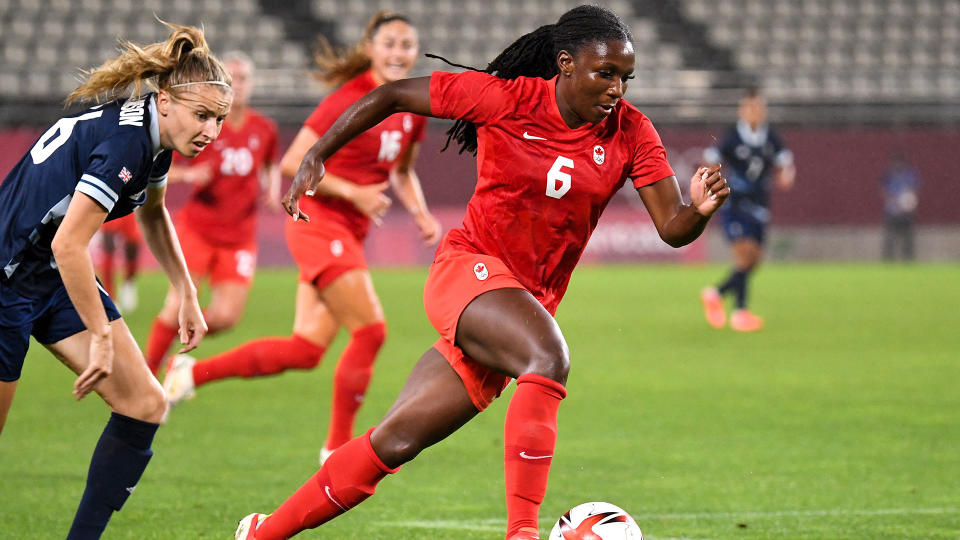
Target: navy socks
118 461
737 284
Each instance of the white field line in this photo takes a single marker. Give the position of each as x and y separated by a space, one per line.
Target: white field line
498 524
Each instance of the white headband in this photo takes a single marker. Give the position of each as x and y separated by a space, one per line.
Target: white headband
218 83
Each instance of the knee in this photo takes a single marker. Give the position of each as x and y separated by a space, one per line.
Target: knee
395 446
149 405
550 360
218 323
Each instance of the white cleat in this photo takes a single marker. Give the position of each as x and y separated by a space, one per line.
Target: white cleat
179 380
324 454
247 528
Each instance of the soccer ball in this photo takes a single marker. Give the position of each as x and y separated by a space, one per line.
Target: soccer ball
596 521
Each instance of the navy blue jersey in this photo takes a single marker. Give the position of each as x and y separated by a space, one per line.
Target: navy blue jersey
110 153
749 158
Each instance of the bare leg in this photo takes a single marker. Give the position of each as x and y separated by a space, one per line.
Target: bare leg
7 390
227 300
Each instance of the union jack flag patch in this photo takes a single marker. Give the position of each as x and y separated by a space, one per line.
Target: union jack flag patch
125 175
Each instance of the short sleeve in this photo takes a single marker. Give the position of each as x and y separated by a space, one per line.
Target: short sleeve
161 165
113 163
649 158
783 157
472 96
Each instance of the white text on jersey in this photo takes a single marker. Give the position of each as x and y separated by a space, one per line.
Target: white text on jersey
131 113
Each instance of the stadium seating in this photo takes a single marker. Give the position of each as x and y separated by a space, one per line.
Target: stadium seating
801 51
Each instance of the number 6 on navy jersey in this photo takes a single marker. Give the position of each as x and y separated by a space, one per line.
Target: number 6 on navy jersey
46 146
558 182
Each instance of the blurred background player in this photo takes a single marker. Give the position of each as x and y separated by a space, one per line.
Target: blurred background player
900 186
752 155
90 167
217 226
112 234
555 141
335 288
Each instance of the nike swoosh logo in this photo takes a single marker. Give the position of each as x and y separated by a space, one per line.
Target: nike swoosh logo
525 456
533 137
330 496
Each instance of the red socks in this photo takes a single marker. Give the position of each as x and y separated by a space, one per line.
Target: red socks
348 477
530 435
351 379
161 336
259 357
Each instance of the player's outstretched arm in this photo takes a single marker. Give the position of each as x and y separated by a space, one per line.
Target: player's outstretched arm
406 95
160 237
679 223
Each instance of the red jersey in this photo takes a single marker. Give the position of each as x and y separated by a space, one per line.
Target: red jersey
365 160
541 186
225 208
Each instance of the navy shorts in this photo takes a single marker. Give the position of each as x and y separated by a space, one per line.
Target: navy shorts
48 319
739 225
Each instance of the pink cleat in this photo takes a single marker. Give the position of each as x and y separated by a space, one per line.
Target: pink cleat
743 320
713 307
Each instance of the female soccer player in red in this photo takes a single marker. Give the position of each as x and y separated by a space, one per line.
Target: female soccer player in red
218 224
554 140
335 289
90 167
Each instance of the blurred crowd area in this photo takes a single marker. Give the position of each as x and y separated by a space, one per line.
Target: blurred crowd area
855 86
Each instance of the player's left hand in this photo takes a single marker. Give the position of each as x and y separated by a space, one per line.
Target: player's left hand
708 189
429 228
192 325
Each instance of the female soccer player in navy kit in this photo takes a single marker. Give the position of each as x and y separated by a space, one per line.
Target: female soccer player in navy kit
754 155
554 141
93 166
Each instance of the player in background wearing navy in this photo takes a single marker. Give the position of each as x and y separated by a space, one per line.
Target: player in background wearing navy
89 167
752 154
555 141
900 187
334 288
217 226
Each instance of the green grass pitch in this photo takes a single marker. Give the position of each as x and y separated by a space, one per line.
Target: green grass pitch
840 420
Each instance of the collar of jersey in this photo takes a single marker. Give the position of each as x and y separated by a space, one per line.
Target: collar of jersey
154 125
751 137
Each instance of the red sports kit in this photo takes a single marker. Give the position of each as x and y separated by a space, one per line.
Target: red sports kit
540 190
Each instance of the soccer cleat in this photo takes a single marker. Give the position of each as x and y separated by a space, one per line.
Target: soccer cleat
127 297
743 320
179 380
247 529
713 307
324 454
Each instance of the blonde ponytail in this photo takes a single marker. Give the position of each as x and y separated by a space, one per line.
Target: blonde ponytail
183 58
335 67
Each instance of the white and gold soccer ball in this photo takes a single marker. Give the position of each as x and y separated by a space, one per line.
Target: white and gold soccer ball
596 521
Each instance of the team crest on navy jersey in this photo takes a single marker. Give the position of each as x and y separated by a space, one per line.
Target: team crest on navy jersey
125 175
599 154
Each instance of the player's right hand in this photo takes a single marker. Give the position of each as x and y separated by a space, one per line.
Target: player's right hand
305 182
100 366
371 201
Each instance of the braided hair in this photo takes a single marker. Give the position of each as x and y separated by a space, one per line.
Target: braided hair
535 55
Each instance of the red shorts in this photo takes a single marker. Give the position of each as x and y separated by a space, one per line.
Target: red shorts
125 227
215 261
456 278
323 252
